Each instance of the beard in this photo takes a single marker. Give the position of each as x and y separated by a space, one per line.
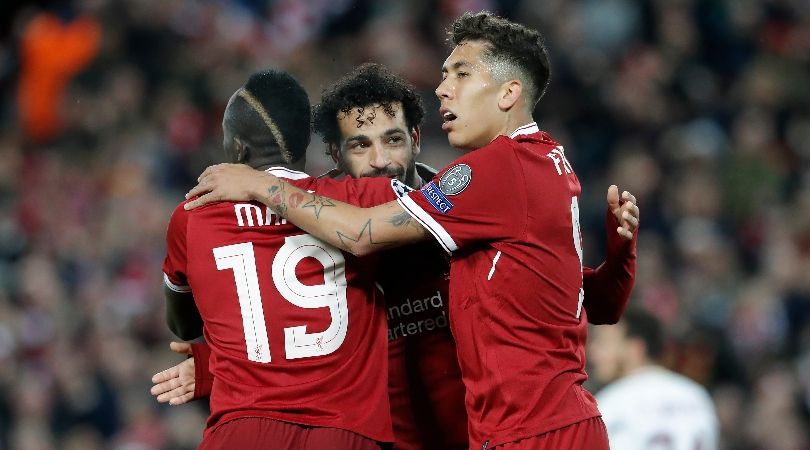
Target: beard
390 172
406 174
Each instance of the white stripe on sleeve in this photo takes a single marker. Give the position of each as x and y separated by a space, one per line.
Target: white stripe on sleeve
428 222
174 287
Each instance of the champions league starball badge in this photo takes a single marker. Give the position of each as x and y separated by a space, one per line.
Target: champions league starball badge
456 179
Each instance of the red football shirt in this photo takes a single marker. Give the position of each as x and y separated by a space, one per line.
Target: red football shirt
296 327
509 214
424 378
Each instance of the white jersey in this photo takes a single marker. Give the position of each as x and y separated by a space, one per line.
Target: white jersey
657 409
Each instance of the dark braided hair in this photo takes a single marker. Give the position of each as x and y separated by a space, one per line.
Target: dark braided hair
368 85
287 104
516 45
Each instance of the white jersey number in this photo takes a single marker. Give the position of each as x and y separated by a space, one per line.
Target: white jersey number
578 247
331 294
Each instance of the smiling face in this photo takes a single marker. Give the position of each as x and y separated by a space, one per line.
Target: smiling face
470 98
373 144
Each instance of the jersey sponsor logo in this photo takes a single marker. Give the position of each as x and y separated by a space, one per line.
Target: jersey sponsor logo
456 179
414 316
436 197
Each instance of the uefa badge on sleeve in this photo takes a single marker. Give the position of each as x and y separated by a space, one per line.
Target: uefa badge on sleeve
456 179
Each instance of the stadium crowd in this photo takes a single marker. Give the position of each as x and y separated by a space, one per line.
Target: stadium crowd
110 110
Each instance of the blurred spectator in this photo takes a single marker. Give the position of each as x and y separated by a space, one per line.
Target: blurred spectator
644 405
51 53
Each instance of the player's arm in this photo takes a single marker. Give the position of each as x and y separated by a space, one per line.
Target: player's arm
182 315
359 231
608 287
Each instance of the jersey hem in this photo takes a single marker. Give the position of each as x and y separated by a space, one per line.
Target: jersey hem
507 439
228 417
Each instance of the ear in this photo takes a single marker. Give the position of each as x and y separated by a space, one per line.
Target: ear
334 152
240 150
509 94
416 139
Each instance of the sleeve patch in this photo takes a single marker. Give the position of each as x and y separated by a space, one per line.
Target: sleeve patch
456 179
436 198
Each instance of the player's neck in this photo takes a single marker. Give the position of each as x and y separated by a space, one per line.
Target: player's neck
515 120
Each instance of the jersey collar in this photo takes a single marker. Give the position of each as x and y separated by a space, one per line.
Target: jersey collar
283 172
529 128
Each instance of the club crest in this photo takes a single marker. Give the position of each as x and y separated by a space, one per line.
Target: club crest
456 179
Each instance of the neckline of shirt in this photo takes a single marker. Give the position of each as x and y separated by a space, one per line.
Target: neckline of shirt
529 128
283 172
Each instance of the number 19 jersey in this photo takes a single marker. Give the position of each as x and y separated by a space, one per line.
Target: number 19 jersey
296 327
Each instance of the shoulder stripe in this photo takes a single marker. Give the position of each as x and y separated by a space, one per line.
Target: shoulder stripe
441 235
174 287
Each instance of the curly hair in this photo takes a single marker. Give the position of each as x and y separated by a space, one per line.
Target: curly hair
367 85
521 49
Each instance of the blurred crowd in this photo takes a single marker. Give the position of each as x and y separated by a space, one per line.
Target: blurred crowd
110 109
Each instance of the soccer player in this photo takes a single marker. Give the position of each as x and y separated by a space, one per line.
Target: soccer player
647 406
425 388
296 327
516 289
370 121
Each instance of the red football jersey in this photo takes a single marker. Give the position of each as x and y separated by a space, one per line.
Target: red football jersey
296 327
424 378
509 214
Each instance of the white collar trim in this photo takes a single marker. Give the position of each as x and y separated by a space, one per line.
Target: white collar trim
529 128
283 172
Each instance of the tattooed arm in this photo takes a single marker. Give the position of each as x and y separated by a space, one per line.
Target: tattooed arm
359 231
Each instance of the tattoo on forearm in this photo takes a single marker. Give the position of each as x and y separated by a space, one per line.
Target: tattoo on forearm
277 203
365 233
400 219
296 199
404 219
317 204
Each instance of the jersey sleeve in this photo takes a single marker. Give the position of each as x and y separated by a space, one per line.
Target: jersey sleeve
370 192
174 266
478 197
362 192
608 287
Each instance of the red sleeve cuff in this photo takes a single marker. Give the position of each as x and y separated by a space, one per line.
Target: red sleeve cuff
203 380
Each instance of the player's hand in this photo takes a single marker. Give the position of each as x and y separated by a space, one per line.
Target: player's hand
233 182
625 210
175 385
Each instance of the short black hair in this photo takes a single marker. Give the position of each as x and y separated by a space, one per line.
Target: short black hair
519 46
641 324
368 84
284 109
